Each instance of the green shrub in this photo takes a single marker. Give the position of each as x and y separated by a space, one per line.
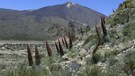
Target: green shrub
112 60
120 17
97 57
129 61
130 55
55 67
103 54
91 39
93 70
93 59
129 30
130 3
72 55
110 53
24 70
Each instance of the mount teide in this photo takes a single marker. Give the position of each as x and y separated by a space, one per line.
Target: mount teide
45 23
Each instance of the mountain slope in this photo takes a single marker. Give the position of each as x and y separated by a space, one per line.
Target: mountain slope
124 13
68 11
44 23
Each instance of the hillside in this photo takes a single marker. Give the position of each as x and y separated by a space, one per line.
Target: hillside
45 23
108 50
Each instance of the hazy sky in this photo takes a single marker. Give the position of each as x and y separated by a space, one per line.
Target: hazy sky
103 6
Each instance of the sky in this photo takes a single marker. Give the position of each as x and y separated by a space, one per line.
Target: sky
103 6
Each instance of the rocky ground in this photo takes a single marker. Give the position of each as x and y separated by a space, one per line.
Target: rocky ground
113 58
13 52
114 51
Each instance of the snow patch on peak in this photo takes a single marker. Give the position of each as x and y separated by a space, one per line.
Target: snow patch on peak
70 4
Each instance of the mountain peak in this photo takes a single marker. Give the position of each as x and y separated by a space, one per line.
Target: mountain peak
46 22
69 4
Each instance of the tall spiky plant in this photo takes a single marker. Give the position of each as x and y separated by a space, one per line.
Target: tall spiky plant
72 36
99 40
63 42
97 45
60 49
66 44
103 18
30 59
57 48
37 56
49 51
103 26
70 42
113 10
81 30
125 5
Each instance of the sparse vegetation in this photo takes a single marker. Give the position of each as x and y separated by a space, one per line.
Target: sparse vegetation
87 54
90 39
93 70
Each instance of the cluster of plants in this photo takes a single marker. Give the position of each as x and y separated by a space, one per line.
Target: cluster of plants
129 60
98 37
129 30
121 17
49 66
40 68
123 14
127 4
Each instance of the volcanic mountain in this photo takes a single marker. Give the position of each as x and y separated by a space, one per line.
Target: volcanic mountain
45 23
